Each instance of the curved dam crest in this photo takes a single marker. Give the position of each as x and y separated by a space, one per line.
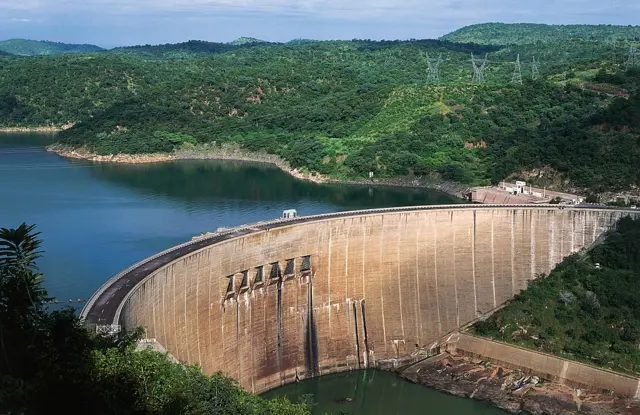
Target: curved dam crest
274 302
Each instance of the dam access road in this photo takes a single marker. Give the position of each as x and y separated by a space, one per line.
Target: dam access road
277 301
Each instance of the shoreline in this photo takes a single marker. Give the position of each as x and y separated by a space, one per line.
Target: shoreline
50 129
236 154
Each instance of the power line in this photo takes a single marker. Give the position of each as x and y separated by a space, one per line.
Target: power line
434 67
479 65
534 69
632 58
516 78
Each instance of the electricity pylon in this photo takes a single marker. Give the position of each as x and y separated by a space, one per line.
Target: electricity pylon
479 65
632 60
516 78
534 69
434 66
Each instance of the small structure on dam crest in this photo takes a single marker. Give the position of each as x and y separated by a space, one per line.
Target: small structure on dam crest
278 301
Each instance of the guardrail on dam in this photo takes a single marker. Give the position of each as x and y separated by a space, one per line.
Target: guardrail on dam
273 302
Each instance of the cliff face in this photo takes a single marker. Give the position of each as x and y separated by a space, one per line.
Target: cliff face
331 294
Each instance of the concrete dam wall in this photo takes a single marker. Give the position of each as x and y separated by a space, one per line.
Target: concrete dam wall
293 299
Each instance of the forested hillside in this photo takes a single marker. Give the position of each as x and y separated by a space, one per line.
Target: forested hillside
587 309
26 47
528 33
345 108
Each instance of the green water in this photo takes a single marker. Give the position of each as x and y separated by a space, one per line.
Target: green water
373 392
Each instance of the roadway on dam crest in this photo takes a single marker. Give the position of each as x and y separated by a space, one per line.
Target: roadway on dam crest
104 306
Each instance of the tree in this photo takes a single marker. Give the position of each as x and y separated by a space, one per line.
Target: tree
50 363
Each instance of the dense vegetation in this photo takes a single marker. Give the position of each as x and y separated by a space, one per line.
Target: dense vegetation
587 309
49 363
527 33
26 47
345 108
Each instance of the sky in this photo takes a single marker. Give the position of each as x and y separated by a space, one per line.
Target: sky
110 23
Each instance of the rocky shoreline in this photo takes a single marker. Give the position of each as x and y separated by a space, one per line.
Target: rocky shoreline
511 390
50 129
235 153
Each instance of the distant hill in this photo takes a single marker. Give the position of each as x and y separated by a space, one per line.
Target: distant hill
301 41
526 33
186 49
246 40
3 53
26 47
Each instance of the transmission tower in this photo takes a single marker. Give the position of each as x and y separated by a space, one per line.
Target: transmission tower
434 67
632 59
517 73
479 65
534 69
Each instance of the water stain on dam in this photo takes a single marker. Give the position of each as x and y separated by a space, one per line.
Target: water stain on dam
379 284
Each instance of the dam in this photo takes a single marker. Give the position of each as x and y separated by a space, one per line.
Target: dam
274 302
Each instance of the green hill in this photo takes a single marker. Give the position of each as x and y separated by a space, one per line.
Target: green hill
524 33
345 108
25 47
246 40
189 49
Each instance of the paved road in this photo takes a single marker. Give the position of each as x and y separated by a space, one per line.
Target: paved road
102 307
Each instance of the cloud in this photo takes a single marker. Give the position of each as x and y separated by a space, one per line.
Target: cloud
157 21
335 9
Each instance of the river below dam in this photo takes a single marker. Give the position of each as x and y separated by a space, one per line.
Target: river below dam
97 219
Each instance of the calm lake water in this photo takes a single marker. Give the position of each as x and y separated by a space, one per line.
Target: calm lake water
374 392
97 219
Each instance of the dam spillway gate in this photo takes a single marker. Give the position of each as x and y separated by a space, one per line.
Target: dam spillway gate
274 302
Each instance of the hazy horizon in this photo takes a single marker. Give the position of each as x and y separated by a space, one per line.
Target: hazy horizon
112 23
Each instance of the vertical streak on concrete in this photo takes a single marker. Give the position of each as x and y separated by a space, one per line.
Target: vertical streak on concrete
419 333
493 264
312 365
435 270
156 290
240 361
399 281
381 255
583 219
355 321
329 280
473 264
164 308
364 255
572 248
532 259
253 365
366 336
173 308
455 280
346 262
186 317
552 242
198 310
513 252
210 306
279 325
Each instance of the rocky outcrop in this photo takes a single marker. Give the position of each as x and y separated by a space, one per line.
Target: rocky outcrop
511 390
